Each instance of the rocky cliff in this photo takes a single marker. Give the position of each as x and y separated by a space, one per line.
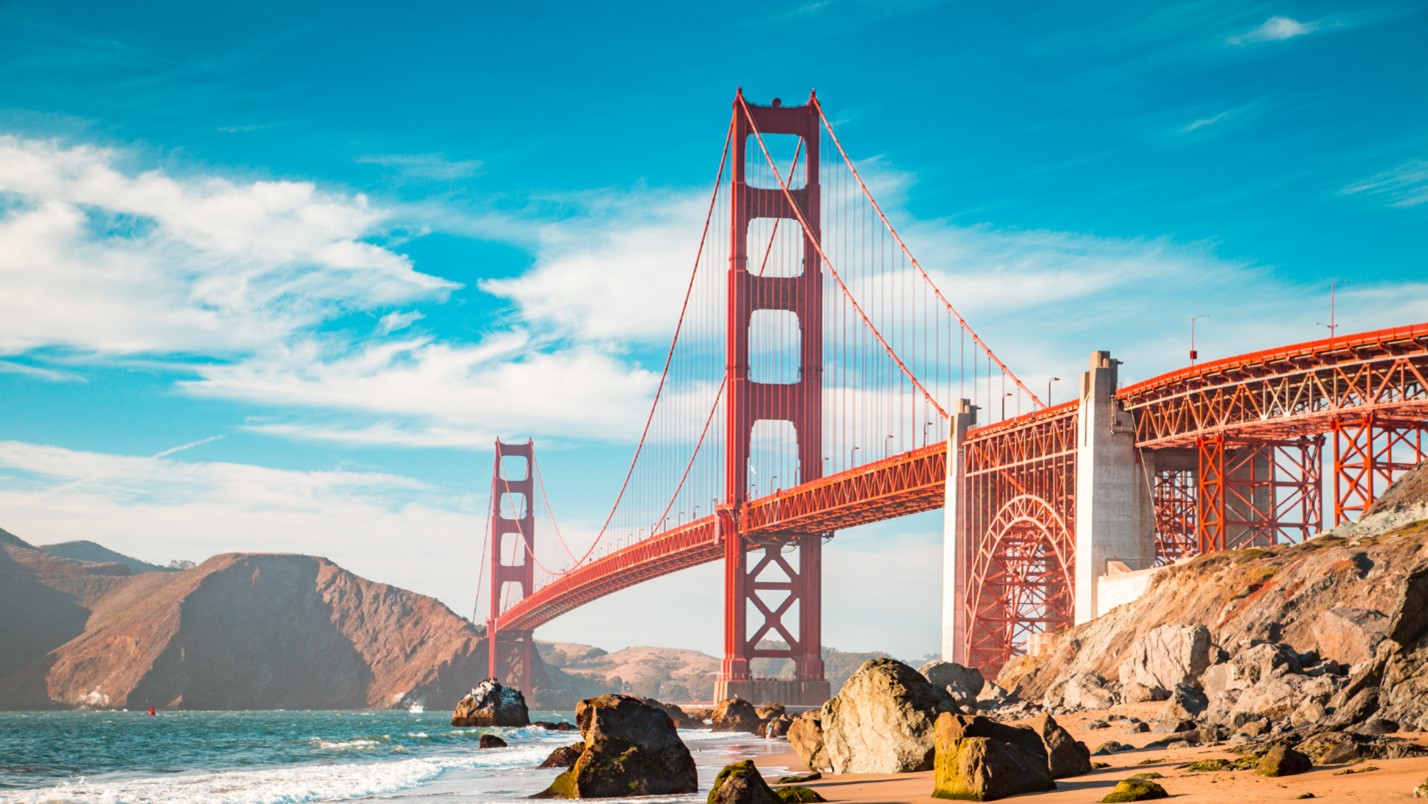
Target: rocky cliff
238 631
1292 632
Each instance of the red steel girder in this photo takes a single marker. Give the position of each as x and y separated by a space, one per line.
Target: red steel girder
1279 394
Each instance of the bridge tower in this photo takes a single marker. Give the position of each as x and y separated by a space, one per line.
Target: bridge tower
510 653
773 582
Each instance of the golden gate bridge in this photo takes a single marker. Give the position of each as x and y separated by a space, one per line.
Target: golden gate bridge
819 378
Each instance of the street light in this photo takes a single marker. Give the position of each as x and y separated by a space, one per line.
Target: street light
1048 389
887 446
1004 403
1194 354
925 425
1333 325
851 457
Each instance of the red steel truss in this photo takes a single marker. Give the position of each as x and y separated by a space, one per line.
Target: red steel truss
1175 515
1369 453
1019 530
800 403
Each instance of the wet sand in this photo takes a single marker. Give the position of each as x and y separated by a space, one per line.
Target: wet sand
1393 780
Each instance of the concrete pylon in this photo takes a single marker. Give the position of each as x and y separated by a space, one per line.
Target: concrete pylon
1115 518
956 559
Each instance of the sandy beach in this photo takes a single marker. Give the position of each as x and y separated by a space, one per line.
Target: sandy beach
1390 780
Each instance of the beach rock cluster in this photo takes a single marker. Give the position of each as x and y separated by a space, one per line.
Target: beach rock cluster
491 703
630 749
882 720
741 783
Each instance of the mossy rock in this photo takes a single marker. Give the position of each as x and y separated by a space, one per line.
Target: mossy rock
799 778
741 783
1141 777
1135 790
798 795
1209 766
1281 760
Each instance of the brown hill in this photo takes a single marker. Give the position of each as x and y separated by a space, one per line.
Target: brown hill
238 631
85 550
668 674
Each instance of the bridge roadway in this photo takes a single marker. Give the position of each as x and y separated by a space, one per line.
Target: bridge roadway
1302 389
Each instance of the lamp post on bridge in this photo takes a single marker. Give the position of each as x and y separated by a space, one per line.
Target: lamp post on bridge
925 425
1004 403
851 457
1048 389
887 446
1333 324
1194 354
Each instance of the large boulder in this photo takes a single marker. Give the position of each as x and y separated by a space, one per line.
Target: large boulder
735 714
491 704
1166 657
741 783
1065 756
1349 635
1081 691
805 737
1281 760
962 683
980 760
882 720
631 749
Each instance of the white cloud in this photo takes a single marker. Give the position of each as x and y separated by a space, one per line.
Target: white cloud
101 260
391 322
1403 186
1275 29
420 392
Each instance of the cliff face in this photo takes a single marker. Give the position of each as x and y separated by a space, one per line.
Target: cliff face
238 631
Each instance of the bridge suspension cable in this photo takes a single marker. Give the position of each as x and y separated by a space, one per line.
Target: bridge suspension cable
913 259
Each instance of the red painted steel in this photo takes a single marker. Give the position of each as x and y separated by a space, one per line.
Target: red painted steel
1020 479
800 403
509 648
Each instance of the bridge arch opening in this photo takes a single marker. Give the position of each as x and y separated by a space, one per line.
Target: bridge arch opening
1021 581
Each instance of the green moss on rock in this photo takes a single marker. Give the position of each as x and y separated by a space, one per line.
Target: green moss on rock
798 795
1135 790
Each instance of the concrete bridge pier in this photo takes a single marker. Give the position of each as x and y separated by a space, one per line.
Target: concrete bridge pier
1115 515
956 550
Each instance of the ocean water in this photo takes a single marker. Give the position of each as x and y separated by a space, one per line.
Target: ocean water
281 757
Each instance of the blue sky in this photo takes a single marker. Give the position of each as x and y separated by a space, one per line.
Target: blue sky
332 252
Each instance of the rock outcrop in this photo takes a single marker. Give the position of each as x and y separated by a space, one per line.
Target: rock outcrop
882 720
735 714
980 760
964 684
1267 643
491 703
631 749
1065 755
741 783
805 737
239 631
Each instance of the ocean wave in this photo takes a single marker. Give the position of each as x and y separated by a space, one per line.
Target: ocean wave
291 784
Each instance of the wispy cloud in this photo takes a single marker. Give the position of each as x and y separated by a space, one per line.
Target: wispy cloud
39 372
434 167
1275 29
1203 122
185 447
1403 186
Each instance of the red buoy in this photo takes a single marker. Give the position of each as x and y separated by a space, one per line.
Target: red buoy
151 710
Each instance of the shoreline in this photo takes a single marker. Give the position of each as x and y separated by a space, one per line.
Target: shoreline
1391 779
